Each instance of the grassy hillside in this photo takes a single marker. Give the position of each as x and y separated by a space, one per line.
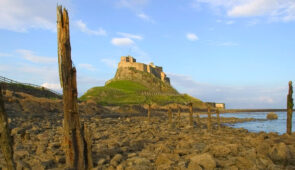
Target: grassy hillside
123 92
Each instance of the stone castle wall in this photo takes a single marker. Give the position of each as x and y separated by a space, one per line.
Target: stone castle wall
157 71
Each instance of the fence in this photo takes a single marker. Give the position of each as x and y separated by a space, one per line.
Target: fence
10 81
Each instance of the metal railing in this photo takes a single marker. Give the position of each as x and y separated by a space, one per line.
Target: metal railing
10 81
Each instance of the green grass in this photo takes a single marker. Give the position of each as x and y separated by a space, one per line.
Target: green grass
126 86
126 92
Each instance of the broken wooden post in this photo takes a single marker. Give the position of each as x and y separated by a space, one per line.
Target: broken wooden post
169 115
6 140
290 105
191 122
218 118
73 140
209 119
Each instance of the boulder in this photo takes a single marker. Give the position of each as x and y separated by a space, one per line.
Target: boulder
204 161
272 116
280 153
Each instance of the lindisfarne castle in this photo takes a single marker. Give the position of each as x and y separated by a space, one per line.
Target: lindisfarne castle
157 71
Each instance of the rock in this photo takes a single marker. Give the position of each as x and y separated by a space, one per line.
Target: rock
163 161
218 150
204 160
280 153
244 163
101 162
138 163
116 160
272 116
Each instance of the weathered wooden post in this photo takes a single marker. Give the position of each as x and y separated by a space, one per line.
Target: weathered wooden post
88 141
6 140
209 119
218 118
191 122
73 140
169 115
290 105
178 115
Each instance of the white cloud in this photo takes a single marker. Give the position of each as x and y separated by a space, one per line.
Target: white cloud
53 86
132 4
254 8
21 15
275 10
30 56
83 27
229 22
137 7
232 96
227 44
145 17
131 36
122 41
5 55
192 37
109 62
89 67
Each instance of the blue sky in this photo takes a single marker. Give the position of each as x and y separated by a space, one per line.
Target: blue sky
240 52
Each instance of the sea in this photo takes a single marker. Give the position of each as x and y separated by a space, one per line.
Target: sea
262 124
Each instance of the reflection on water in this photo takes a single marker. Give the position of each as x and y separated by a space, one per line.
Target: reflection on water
278 125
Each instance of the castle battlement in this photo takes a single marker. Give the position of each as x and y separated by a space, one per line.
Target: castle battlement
129 61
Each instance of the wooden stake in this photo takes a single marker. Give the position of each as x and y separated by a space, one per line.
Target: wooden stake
178 115
209 119
6 140
73 139
191 122
218 118
290 105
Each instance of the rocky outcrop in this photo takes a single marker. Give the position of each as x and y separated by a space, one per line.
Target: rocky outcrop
147 79
272 116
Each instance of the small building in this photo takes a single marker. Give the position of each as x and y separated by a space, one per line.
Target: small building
216 105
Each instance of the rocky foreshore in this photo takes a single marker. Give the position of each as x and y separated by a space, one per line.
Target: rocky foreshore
131 142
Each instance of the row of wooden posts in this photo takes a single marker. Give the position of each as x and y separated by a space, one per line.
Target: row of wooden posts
77 139
191 120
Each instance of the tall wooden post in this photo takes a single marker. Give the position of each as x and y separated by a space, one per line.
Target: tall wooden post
191 122
209 119
218 118
290 105
149 113
73 141
6 141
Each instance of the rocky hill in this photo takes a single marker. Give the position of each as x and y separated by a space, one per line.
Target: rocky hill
138 83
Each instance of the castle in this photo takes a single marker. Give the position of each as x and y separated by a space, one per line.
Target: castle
128 61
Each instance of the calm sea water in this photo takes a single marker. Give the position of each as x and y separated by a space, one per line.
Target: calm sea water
278 125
